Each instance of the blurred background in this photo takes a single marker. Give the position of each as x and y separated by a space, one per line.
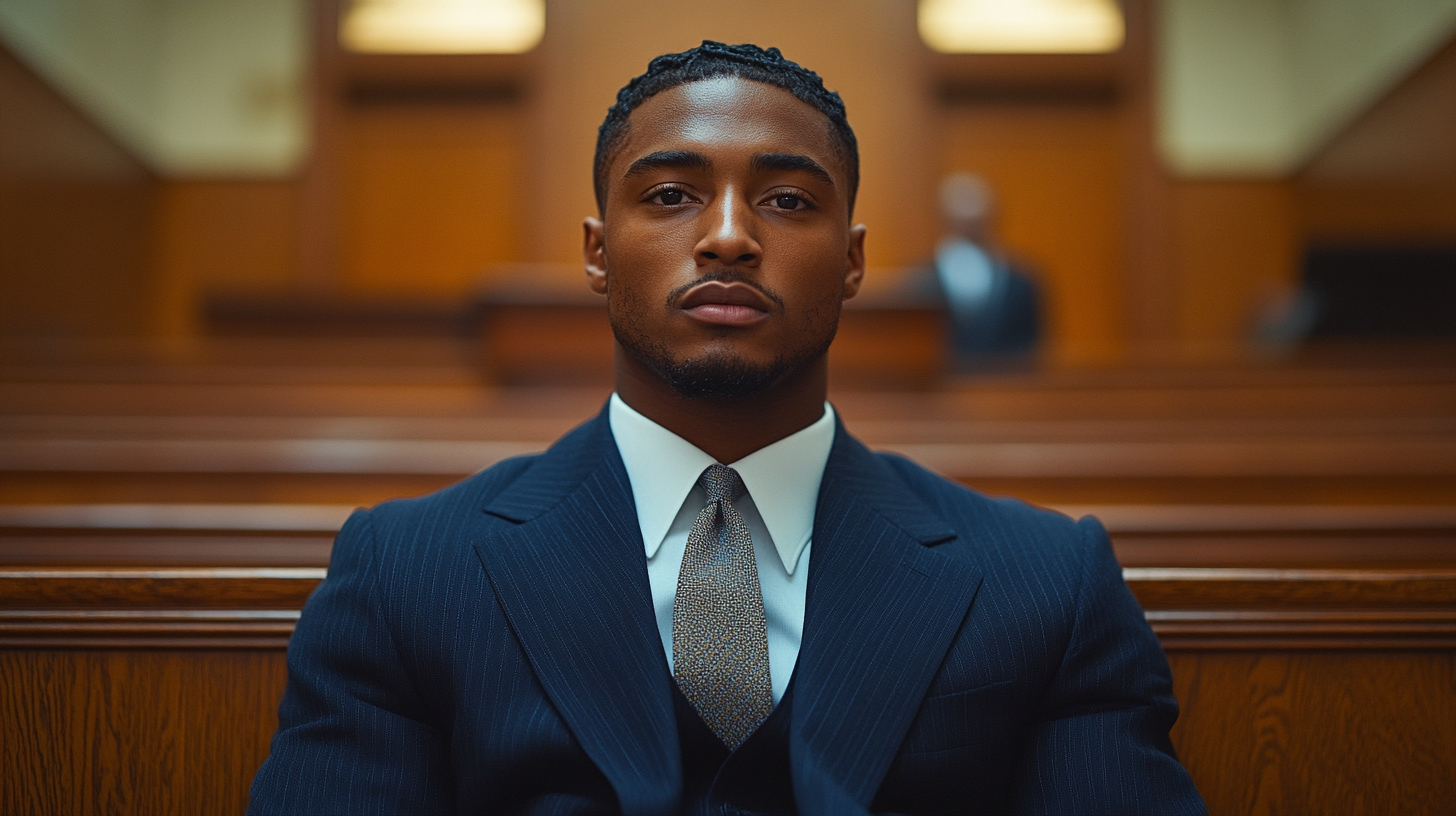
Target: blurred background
179 171
1189 265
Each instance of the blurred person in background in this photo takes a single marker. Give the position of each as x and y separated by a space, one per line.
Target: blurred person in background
993 305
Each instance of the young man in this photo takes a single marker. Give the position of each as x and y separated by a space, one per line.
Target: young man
711 598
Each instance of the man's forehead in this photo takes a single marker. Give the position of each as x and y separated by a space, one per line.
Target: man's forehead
726 113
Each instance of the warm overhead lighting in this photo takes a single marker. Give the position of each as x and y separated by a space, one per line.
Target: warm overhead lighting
443 26
1021 26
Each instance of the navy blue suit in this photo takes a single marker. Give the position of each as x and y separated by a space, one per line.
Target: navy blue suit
491 648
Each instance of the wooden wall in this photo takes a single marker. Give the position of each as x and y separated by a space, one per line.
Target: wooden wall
76 216
432 194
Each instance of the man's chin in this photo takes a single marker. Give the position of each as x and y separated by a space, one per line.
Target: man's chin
720 377
715 375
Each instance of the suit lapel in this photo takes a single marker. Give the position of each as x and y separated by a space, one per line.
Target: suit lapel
883 608
572 578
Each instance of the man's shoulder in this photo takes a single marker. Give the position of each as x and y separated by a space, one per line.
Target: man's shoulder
461 502
1007 527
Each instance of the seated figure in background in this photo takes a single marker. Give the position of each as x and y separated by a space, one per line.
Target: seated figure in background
994 307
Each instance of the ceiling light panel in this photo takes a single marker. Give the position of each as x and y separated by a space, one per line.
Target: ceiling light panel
443 26
1021 26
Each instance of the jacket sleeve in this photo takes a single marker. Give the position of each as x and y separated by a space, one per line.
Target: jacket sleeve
1101 742
353 735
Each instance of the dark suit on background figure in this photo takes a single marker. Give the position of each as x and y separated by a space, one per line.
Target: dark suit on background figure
993 305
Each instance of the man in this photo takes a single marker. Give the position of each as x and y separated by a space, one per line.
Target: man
625 624
994 306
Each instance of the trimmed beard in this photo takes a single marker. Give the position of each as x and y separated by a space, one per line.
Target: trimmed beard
717 376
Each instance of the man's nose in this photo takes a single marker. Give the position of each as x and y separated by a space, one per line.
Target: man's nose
729 240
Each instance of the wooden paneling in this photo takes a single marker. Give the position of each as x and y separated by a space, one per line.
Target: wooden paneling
431 195
1318 732
1302 691
146 691
1235 242
227 235
135 732
76 219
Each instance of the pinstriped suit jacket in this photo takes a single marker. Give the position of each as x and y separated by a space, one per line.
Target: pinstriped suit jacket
491 648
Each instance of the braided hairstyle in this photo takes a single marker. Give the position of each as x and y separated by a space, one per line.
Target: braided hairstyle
714 59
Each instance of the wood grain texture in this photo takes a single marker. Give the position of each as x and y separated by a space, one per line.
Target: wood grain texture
157 588
1269 732
118 732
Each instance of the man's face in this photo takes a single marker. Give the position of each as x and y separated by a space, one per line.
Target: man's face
725 248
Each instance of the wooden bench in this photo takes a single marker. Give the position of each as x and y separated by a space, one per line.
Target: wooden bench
292 535
363 459
154 690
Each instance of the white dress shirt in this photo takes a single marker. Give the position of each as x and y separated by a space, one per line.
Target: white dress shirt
783 489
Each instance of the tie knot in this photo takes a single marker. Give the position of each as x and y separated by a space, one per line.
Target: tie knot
721 483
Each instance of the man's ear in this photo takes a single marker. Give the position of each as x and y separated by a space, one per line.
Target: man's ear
594 253
855 269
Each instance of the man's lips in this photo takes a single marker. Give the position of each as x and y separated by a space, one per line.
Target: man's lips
726 304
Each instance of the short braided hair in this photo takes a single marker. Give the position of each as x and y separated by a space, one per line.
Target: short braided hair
714 59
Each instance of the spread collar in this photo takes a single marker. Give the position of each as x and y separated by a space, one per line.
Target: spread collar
782 479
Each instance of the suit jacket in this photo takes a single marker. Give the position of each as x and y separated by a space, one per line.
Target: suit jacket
491 648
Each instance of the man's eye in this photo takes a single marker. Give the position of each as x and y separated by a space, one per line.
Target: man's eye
669 198
787 201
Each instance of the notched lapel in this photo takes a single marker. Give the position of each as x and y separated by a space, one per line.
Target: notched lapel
883 609
572 578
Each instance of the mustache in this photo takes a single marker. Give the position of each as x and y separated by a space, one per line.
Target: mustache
723 276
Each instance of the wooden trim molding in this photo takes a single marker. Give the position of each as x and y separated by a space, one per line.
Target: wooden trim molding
1238 588
163 608
1205 630
148 588
147 629
1230 609
1189 608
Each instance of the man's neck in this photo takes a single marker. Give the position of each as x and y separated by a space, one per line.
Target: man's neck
726 430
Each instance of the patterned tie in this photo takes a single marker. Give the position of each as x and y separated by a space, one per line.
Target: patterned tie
719 635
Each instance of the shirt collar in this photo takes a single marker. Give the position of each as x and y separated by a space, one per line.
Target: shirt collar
782 478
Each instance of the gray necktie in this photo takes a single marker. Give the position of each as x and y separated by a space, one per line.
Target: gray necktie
719 635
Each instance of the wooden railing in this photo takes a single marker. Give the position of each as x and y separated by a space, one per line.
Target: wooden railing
362 460
157 686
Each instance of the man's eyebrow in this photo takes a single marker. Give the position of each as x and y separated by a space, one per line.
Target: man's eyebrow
671 159
767 162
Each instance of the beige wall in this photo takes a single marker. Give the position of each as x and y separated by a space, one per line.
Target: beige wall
192 87
1257 87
